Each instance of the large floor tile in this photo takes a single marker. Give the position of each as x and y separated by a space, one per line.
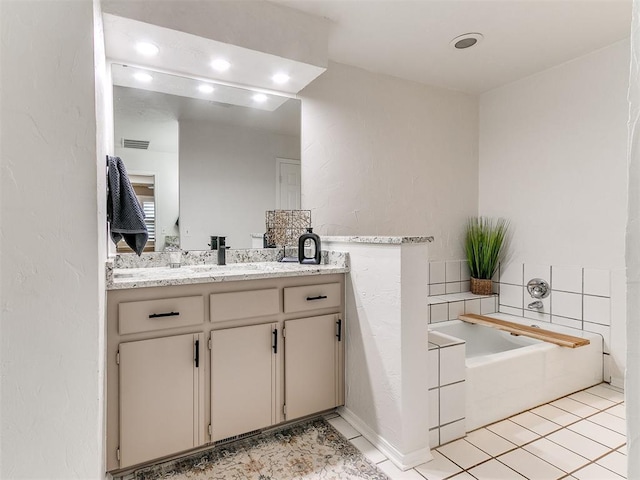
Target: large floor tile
495 470
462 476
530 466
489 442
513 432
344 427
573 406
555 415
535 423
556 455
598 433
596 472
616 462
611 422
606 392
592 400
439 468
578 443
463 453
623 450
368 450
619 411
394 473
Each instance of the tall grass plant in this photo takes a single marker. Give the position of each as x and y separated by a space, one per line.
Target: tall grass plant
484 244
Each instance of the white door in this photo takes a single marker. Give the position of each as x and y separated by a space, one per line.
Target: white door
288 184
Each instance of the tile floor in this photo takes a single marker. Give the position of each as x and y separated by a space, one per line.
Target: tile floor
578 437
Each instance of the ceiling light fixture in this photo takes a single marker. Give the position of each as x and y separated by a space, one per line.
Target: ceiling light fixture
220 65
205 88
260 97
143 77
281 78
466 40
146 48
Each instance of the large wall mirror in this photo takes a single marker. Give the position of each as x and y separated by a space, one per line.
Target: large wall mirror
209 159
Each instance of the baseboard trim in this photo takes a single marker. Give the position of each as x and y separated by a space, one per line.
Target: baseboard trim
404 461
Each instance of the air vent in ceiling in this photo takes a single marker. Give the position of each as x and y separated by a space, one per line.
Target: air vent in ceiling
139 144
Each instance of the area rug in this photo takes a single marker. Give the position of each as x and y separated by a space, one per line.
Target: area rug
310 450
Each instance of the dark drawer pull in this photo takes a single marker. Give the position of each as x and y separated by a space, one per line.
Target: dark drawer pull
197 353
319 297
275 340
339 335
168 314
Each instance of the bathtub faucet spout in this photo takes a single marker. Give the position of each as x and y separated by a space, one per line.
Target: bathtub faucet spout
535 305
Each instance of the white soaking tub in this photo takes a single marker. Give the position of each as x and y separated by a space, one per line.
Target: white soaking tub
508 374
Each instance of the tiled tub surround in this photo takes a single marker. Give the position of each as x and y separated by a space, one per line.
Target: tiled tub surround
449 277
580 298
507 374
447 389
448 307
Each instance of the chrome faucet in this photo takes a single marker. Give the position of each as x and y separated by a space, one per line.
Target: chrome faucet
535 305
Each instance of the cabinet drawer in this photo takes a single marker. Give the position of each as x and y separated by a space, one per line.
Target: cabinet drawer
311 297
149 315
249 304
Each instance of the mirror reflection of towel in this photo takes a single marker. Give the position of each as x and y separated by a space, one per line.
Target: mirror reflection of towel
124 212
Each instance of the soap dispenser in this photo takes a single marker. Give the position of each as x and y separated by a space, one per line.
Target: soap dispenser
313 239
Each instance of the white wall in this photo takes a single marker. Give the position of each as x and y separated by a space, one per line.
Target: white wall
553 161
384 156
160 160
632 387
52 270
227 181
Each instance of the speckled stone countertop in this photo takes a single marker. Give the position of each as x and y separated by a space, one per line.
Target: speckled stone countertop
152 270
377 239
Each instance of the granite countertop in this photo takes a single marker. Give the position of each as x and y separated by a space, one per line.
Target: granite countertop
376 239
154 272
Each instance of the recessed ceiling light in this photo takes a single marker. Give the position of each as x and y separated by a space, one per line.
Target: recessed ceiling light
220 65
260 97
143 77
281 78
205 88
146 48
465 41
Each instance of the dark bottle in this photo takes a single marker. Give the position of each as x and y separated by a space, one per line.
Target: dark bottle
313 239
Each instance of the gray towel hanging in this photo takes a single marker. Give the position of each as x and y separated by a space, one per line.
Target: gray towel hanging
124 212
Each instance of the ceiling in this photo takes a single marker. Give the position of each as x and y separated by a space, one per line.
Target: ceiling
410 39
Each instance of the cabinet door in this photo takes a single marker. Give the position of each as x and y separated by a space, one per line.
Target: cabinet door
243 366
311 365
159 392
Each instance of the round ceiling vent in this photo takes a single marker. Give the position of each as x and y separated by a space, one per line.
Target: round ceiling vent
466 40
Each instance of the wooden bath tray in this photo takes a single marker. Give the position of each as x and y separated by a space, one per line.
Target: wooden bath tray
526 331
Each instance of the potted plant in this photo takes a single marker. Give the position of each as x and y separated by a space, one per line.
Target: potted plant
484 242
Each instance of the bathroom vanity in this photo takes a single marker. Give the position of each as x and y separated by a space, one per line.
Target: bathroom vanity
204 354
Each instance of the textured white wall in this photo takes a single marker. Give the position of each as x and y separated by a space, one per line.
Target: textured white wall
227 181
387 365
161 160
553 160
632 384
51 276
384 156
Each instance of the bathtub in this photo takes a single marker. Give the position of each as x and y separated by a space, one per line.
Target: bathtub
508 374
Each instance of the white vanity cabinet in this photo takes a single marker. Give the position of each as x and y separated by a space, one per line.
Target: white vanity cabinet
190 365
243 379
159 385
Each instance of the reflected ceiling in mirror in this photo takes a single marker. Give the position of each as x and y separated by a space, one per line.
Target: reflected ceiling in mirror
215 156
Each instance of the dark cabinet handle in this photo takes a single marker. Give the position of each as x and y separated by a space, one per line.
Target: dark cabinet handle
319 297
168 314
339 335
197 359
275 340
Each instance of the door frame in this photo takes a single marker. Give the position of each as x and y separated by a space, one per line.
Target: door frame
279 162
